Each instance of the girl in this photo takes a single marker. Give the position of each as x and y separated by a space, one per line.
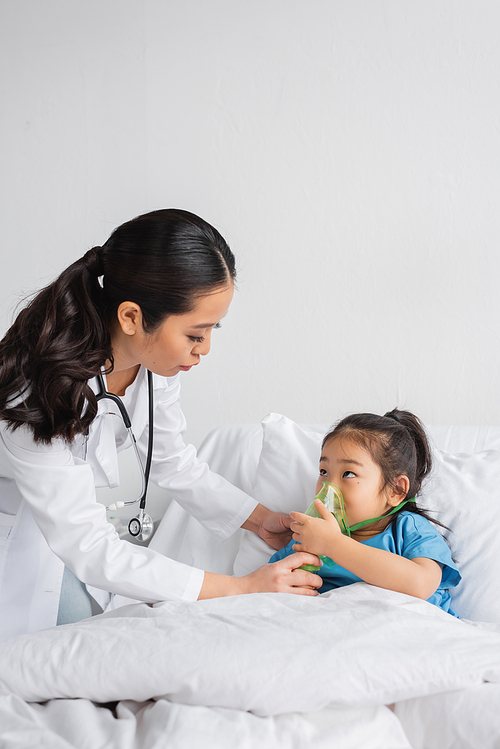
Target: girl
378 463
147 300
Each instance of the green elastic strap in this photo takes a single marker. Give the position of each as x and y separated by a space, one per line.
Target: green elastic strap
373 520
348 528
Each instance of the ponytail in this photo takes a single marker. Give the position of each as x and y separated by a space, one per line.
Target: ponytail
162 261
57 343
93 261
416 431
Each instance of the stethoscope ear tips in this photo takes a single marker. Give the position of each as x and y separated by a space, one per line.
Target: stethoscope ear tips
116 506
141 527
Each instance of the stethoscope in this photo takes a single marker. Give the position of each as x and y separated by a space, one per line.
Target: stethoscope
140 527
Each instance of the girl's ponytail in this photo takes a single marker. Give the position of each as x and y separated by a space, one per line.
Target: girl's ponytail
416 430
58 342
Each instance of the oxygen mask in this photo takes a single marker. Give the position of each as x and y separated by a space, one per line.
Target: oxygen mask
332 498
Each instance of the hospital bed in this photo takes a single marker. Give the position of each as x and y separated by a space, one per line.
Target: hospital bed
358 666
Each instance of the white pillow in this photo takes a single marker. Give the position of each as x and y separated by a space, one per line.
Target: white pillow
285 480
463 491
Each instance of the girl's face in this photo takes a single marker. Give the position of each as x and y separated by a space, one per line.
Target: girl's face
180 341
351 468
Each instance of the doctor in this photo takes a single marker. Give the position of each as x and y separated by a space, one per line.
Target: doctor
147 300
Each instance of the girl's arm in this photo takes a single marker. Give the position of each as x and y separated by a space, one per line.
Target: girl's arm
419 577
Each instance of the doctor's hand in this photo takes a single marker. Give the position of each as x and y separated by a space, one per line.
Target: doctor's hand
272 527
284 576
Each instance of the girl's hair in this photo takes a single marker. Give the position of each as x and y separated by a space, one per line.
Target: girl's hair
163 261
397 443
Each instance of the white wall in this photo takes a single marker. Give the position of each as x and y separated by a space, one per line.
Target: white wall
348 150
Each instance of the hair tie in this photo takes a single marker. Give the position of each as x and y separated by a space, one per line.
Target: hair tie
93 261
394 415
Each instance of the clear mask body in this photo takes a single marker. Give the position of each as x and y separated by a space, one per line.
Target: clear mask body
332 498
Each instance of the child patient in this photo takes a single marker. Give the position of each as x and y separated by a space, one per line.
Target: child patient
378 463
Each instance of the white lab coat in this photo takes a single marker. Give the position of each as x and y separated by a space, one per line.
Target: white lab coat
50 517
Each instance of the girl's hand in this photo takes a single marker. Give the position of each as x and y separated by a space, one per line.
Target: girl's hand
284 577
314 534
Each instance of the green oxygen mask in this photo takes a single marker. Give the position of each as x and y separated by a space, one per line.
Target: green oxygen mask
332 498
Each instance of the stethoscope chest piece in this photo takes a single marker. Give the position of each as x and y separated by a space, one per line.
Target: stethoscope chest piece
141 527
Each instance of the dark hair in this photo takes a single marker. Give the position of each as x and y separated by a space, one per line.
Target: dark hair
163 261
397 443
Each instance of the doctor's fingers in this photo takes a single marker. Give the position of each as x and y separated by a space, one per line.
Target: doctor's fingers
306 578
300 576
305 583
302 591
298 518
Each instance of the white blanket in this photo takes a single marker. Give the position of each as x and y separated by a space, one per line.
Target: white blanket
79 724
270 654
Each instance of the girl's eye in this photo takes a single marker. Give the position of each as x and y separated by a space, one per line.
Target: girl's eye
322 472
348 475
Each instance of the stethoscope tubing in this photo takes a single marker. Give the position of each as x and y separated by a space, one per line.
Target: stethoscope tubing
103 394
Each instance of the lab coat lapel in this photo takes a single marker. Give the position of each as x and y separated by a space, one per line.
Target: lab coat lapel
102 452
101 448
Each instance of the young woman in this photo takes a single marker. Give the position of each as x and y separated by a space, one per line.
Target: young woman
145 302
378 463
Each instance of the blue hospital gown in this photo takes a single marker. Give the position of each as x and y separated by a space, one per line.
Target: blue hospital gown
409 535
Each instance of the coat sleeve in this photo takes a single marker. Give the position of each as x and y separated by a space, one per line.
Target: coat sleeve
60 492
216 503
